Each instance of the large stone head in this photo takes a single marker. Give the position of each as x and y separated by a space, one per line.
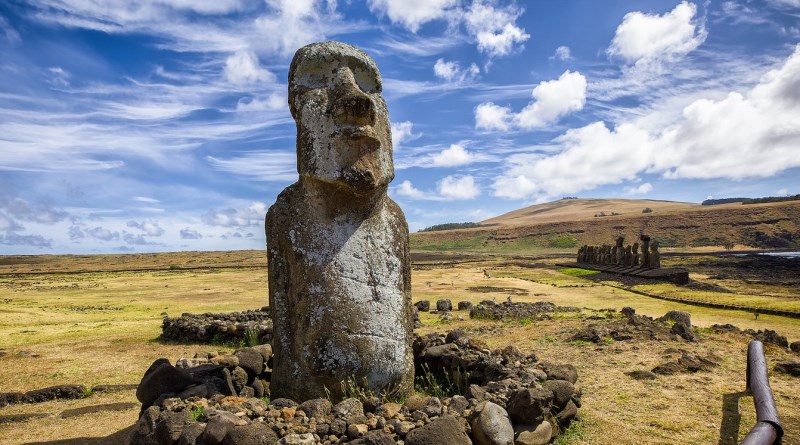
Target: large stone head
343 132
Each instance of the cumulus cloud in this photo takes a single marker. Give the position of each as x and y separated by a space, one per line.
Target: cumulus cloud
252 215
13 239
452 71
552 100
494 27
449 188
411 13
21 209
8 224
458 187
642 189
187 233
242 68
149 227
401 132
562 53
453 156
102 234
755 133
643 37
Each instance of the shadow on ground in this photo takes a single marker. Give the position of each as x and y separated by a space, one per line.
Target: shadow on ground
731 419
117 438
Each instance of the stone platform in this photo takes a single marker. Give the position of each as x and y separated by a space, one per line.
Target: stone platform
672 275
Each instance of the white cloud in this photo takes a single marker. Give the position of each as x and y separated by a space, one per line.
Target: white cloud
449 188
273 166
187 233
489 116
40 212
407 190
8 32
242 68
252 215
8 224
750 134
552 100
103 234
149 227
642 189
647 37
458 188
145 199
453 156
494 28
402 131
562 53
452 72
272 102
783 192
12 239
411 13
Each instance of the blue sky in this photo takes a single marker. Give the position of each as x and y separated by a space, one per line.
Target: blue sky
162 125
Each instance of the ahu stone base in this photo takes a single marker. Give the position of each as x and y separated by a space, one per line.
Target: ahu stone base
501 397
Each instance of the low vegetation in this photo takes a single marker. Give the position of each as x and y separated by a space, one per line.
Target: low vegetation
450 226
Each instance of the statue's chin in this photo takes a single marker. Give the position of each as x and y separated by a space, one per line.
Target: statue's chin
359 180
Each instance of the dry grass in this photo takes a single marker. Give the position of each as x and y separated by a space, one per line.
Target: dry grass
101 332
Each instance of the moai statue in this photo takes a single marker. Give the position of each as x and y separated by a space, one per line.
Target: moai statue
338 255
619 258
635 255
645 250
628 258
655 255
579 257
613 255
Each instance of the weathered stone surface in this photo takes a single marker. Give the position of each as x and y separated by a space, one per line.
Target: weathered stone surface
492 426
218 426
251 360
561 372
529 406
677 317
446 430
170 424
684 331
533 434
298 439
165 378
423 305
375 438
568 413
562 391
54 393
795 346
444 305
338 255
316 408
191 434
349 407
464 305
256 433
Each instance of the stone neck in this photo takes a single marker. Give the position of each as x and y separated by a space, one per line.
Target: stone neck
333 199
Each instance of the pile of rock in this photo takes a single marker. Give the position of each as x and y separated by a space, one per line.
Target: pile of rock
765 336
508 397
489 310
42 395
228 327
640 328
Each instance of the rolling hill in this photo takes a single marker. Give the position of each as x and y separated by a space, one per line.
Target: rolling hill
568 223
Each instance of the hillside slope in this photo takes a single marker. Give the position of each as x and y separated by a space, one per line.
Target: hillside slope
585 209
565 225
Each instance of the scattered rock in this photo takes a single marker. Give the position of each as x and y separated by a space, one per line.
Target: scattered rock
164 378
686 363
533 434
256 433
446 430
529 406
423 305
444 305
464 305
795 346
791 367
641 375
683 330
677 317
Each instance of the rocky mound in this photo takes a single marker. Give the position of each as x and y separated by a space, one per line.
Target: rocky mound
501 396
230 327
639 328
489 310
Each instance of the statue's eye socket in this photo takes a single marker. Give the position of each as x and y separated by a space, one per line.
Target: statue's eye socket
366 79
312 75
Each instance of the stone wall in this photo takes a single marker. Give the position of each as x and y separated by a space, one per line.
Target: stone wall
227 328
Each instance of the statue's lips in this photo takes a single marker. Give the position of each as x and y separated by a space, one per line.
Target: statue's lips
363 133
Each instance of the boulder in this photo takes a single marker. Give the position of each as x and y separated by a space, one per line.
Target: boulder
165 378
316 408
561 372
446 430
677 317
533 434
795 346
423 305
169 426
791 367
256 433
492 426
444 305
683 330
251 360
464 305
529 405
562 392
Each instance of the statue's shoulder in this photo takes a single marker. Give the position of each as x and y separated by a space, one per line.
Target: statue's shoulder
286 204
396 212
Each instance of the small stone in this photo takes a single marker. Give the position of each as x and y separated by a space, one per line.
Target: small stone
562 391
338 427
388 410
348 407
562 372
458 404
356 430
191 434
251 360
568 413
256 433
476 392
529 406
298 439
795 346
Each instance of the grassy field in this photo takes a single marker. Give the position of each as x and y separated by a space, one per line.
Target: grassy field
99 326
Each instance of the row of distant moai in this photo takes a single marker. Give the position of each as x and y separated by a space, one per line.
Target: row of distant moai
621 255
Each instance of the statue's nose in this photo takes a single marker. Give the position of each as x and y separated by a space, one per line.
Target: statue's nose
350 105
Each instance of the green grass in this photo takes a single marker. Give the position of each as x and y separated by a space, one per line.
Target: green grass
576 271
572 434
